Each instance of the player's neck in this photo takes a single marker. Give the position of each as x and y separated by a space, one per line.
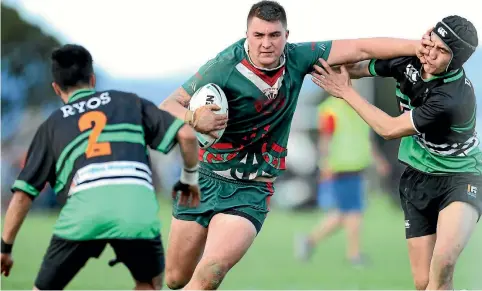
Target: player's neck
426 76
65 96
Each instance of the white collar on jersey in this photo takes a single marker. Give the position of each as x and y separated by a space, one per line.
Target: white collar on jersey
281 62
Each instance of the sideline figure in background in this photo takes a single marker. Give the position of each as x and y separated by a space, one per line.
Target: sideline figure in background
341 190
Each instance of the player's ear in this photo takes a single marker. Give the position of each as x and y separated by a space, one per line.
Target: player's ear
92 80
287 34
57 89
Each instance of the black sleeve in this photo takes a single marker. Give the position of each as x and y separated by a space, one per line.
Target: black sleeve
39 165
435 113
387 68
160 127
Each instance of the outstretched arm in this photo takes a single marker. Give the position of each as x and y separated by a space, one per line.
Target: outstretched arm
355 50
358 70
383 124
339 85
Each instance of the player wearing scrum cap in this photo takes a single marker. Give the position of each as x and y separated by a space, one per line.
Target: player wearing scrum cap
438 189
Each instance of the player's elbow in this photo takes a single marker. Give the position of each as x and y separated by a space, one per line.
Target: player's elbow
388 135
391 132
165 105
22 199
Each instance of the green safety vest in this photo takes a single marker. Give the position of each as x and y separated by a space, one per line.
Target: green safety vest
350 148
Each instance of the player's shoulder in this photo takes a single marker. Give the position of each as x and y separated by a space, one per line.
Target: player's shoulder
456 88
118 94
300 47
231 55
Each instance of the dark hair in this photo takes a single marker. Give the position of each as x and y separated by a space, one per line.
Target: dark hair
269 11
71 66
463 28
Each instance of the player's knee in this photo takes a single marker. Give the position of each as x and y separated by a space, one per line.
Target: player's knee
212 274
421 282
443 266
175 280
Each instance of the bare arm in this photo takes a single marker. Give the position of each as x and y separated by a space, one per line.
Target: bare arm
358 70
177 103
15 215
189 146
188 182
355 50
385 125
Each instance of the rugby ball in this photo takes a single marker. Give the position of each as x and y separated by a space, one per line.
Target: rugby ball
206 95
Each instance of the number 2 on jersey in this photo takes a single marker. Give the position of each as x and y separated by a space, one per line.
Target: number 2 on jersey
95 120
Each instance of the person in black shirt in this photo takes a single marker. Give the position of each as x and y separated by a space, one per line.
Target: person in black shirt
439 188
94 149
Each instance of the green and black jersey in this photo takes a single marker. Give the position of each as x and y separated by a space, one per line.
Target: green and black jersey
94 149
443 111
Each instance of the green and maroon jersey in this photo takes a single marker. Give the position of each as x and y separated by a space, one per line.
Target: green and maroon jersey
261 107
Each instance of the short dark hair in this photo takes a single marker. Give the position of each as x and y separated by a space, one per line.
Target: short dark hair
71 66
269 11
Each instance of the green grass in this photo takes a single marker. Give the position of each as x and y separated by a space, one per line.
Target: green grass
269 264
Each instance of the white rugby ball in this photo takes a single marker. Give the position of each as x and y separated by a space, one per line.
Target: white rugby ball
206 95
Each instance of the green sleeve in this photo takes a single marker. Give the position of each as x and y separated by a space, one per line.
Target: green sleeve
306 54
371 67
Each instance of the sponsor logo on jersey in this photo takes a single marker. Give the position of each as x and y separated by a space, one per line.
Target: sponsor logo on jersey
412 74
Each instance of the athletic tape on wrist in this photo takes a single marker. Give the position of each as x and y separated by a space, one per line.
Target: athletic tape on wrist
190 176
6 248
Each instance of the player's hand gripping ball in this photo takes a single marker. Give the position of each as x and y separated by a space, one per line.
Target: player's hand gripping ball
210 108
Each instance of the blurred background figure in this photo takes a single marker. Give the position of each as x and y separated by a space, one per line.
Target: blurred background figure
346 151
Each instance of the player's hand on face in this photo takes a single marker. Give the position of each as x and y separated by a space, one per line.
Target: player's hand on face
331 81
208 122
426 44
6 264
189 195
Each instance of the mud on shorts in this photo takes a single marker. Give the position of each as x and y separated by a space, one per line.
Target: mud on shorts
248 199
423 196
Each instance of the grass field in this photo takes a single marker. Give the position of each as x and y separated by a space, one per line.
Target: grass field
270 264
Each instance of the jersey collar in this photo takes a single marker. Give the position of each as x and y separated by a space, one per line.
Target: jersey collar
445 75
80 94
281 62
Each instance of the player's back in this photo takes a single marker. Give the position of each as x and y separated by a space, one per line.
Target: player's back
97 152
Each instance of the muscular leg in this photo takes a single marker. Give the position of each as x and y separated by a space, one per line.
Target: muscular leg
456 224
229 238
420 251
185 246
